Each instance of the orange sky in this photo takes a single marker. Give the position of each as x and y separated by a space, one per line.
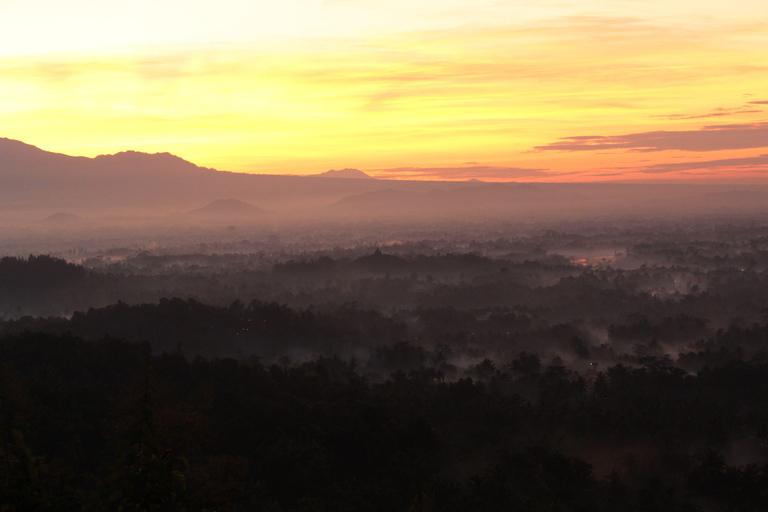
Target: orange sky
495 90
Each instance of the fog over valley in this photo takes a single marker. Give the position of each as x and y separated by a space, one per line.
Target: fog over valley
180 338
383 256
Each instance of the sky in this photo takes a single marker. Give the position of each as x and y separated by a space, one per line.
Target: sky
568 90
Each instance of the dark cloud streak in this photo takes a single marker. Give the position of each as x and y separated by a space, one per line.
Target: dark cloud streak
718 112
467 172
709 138
748 162
713 114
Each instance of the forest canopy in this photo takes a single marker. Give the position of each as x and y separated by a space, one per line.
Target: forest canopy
544 373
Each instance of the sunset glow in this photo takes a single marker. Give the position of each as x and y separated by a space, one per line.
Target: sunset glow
523 91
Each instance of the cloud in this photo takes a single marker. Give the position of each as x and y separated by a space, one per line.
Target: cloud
750 163
416 97
461 173
709 138
758 102
604 174
718 112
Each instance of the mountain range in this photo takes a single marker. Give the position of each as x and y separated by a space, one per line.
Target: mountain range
135 183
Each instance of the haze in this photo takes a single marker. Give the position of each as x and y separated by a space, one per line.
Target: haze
368 255
48 196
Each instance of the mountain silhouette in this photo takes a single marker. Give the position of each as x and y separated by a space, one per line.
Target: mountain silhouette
23 161
130 178
345 173
62 218
132 184
161 182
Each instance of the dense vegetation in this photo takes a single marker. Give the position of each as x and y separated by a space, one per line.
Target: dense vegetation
103 424
504 378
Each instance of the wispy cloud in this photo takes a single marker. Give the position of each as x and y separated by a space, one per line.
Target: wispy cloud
480 172
749 163
606 174
718 112
708 138
416 97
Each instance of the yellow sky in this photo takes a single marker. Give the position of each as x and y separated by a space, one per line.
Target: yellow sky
503 90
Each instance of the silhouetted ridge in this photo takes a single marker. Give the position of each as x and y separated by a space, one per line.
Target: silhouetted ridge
62 217
23 162
9 146
345 173
158 184
19 160
134 157
135 161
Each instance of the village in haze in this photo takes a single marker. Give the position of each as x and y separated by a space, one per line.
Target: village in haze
383 256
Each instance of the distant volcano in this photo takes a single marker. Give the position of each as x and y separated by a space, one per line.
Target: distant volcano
62 218
228 208
345 173
34 183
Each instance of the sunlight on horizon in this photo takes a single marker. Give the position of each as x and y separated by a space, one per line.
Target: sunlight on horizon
303 86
